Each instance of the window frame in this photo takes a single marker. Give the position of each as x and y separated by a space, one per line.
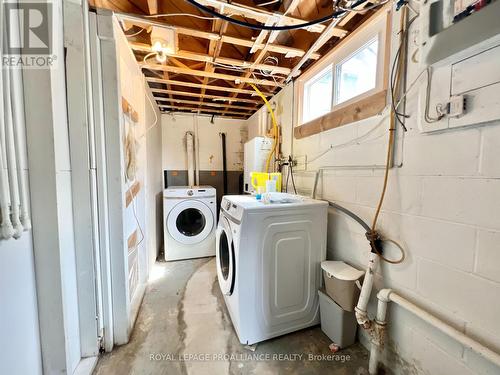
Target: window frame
378 26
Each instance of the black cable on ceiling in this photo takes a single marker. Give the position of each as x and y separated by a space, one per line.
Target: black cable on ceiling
336 14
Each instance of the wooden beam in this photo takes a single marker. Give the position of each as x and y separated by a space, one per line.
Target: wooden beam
153 6
258 14
197 110
202 57
194 102
289 52
227 77
208 87
364 108
262 53
197 95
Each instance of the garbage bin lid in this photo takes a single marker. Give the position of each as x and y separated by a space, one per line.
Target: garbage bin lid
341 270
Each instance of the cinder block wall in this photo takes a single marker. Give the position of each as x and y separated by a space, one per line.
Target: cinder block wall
442 205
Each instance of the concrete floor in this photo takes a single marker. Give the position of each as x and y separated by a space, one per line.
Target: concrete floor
183 316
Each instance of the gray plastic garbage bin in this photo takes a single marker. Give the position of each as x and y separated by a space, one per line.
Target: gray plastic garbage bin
341 283
339 325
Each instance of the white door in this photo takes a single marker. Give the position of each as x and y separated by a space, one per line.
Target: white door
190 222
225 257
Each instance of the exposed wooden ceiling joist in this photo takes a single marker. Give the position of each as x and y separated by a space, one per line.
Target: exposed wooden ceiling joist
208 87
207 96
202 73
217 59
258 14
216 105
194 56
199 110
288 51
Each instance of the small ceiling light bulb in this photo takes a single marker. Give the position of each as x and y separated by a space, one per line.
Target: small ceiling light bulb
161 57
163 40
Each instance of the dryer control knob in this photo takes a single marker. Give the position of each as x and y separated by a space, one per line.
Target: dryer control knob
190 193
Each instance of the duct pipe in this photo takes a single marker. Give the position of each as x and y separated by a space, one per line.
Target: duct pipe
6 228
190 157
11 156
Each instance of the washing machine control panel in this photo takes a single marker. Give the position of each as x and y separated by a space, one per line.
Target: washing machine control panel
232 209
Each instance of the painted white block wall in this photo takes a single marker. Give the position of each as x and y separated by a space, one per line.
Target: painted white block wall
442 204
174 156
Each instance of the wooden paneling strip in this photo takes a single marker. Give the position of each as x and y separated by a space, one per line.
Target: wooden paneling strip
132 241
362 109
132 193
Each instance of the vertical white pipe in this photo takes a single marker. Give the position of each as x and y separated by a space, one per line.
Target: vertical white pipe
11 156
20 144
367 287
190 157
6 228
197 150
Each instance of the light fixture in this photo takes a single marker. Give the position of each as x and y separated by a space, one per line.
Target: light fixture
163 42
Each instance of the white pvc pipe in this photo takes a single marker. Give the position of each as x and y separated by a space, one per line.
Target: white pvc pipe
366 288
11 156
190 157
20 144
6 228
386 295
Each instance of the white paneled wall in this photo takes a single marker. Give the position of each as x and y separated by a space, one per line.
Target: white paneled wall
442 204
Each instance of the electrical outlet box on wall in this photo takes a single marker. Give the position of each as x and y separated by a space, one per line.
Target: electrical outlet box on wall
471 75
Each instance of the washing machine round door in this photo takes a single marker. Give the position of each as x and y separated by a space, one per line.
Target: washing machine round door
224 254
190 222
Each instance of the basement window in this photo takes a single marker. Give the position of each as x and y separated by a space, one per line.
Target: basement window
343 84
357 74
318 95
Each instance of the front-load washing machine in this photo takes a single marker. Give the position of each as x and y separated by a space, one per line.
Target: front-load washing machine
189 222
269 264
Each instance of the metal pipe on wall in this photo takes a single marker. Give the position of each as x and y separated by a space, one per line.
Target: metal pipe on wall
190 157
197 149
224 162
